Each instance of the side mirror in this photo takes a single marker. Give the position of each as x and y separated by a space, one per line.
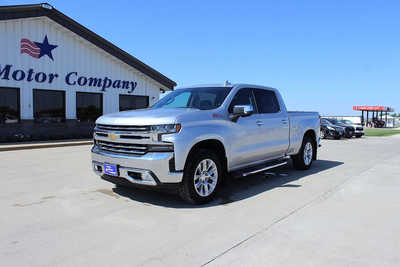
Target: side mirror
241 111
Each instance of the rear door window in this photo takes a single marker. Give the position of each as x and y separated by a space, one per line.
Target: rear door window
267 101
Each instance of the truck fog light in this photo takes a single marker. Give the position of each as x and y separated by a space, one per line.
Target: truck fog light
147 177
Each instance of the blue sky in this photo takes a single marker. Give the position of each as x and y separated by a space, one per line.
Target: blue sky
323 55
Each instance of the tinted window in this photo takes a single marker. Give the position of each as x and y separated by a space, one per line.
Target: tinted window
9 105
198 97
325 122
129 102
266 101
243 97
89 106
333 121
48 105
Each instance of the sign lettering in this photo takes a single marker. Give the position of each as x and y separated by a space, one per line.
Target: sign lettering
72 78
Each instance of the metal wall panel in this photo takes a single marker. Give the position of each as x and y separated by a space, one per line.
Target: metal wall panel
73 54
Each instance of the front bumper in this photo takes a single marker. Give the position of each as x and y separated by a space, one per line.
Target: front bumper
358 132
151 169
335 133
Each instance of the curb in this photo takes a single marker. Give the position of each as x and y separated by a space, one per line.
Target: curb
13 147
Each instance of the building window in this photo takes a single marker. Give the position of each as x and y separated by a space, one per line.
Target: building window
89 106
48 105
128 102
9 105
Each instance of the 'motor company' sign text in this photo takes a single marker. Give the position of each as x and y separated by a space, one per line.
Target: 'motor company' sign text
72 78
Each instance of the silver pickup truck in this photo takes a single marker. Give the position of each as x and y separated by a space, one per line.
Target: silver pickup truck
194 137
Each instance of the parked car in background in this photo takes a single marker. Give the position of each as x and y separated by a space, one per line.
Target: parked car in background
348 130
7 118
376 123
359 130
328 129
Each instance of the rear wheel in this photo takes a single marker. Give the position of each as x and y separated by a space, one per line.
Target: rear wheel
303 160
201 177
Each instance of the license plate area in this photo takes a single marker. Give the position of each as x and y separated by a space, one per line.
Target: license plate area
110 169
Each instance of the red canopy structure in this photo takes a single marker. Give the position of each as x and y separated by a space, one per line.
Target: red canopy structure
373 108
375 114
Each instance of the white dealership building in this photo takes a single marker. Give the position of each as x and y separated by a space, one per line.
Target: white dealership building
55 72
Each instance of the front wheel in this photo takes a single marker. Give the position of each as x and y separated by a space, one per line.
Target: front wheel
303 160
323 134
202 175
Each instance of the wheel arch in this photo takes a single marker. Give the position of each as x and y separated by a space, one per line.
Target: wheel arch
311 133
210 144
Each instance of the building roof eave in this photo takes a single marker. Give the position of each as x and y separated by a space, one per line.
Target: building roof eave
44 9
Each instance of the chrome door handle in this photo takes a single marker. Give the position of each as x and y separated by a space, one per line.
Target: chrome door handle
259 123
284 121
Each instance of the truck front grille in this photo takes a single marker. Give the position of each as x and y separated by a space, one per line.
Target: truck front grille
123 128
124 148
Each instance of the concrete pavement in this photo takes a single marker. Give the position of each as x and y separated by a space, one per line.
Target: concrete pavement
56 212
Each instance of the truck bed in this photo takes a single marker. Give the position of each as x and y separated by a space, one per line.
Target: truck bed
300 122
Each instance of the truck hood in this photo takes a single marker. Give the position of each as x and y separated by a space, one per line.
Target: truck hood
144 116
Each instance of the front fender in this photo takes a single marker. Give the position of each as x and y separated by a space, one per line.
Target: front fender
189 136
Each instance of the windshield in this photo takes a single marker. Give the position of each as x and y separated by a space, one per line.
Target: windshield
200 98
347 122
326 122
333 121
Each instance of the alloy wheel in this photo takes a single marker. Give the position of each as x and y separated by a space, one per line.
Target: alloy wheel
308 153
205 177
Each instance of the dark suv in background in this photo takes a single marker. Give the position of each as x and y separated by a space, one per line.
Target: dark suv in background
349 130
359 130
329 129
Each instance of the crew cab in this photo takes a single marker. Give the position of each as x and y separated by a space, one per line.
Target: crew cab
194 137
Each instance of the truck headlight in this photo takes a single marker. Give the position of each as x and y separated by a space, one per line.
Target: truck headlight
166 128
330 128
158 130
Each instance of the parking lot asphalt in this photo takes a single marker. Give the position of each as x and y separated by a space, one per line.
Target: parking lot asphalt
342 212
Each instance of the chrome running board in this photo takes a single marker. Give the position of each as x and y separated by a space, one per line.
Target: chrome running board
264 168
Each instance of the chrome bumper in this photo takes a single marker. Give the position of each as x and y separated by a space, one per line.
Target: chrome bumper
150 169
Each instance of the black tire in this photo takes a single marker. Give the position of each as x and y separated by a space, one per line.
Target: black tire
337 137
187 189
348 135
299 159
358 136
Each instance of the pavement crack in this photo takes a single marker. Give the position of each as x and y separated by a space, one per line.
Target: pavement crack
322 197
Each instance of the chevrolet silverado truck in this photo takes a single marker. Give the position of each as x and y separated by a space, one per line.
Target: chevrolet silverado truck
195 137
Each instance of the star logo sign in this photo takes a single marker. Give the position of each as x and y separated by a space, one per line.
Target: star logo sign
36 49
45 48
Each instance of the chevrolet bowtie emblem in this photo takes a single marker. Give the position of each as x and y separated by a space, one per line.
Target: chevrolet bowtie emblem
112 136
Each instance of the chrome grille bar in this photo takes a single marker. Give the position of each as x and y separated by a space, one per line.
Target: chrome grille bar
136 149
130 128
